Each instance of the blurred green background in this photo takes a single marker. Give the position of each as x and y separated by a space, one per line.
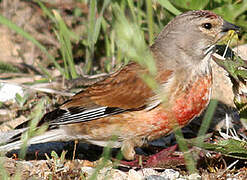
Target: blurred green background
90 39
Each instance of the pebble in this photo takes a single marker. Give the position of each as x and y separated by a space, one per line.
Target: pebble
155 177
134 175
9 91
141 174
194 176
170 174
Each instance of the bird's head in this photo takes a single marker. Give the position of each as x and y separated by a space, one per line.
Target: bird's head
190 36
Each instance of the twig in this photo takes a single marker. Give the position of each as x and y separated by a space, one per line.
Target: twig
229 167
46 90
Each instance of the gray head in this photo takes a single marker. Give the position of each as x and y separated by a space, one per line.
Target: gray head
187 37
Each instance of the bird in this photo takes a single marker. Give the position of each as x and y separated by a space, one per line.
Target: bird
123 106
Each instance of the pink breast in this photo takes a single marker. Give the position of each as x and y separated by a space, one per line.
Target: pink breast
186 105
191 103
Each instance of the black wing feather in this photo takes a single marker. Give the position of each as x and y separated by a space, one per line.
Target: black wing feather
74 115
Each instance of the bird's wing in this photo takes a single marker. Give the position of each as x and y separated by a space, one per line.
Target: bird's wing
121 91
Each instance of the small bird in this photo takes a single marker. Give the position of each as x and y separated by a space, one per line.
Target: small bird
122 105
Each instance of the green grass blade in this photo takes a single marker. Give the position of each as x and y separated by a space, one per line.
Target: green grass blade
45 10
63 53
183 146
4 175
66 47
90 35
150 21
132 9
7 67
206 121
99 21
26 35
93 31
36 115
139 13
167 5
45 71
130 39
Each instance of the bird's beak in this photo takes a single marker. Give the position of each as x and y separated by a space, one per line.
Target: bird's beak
229 26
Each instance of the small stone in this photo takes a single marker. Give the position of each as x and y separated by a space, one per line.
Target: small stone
231 179
194 176
155 177
117 175
148 172
134 175
170 174
9 91
87 171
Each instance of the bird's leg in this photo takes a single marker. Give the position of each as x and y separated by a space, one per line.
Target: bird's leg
75 145
129 154
165 158
128 150
137 162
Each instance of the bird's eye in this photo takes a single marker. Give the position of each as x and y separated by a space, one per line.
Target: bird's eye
207 25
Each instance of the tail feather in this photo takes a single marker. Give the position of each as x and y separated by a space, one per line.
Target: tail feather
6 137
49 136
